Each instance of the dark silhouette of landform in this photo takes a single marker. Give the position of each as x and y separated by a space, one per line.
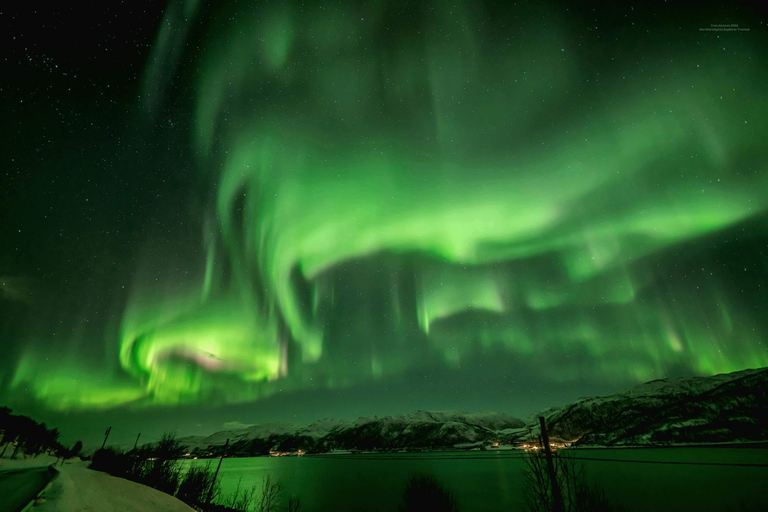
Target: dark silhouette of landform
725 408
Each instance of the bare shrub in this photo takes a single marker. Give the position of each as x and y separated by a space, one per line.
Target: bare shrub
577 495
270 494
294 504
196 484
164 473
243 499
423 492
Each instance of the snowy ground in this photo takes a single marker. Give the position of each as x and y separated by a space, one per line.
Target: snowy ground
22 461
78 488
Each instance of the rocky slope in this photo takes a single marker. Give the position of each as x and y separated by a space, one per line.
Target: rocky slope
724 408
417 430
719 409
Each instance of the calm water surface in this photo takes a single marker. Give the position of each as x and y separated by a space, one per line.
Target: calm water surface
338 483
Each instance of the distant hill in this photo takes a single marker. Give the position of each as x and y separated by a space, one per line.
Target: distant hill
724 408
417 430
720 409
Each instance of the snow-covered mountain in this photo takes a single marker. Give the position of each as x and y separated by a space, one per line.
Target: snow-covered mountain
724 408
198 444
417 430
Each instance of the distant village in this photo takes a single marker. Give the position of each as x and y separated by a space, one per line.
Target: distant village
526 446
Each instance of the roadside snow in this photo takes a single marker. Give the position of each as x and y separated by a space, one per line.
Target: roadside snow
22 461
78 488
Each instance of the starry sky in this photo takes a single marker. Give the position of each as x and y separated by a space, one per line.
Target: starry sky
237 212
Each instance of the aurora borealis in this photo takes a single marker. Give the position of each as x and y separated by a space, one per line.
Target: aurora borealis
281 198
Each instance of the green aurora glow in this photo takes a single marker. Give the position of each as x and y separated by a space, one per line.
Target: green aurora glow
388 182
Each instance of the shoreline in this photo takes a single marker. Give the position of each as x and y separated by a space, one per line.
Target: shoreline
507 448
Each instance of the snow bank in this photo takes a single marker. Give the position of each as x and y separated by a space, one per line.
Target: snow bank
22 461
78 488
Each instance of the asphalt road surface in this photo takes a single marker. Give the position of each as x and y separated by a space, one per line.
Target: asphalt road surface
19 486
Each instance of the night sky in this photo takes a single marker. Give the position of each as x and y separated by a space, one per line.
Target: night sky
239 212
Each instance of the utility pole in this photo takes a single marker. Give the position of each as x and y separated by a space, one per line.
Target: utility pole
557 497
213 482
137 441
106 435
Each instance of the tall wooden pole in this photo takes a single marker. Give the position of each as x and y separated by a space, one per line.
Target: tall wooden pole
213 482
106 435
557 497
137 441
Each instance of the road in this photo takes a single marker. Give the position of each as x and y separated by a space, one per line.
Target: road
19 486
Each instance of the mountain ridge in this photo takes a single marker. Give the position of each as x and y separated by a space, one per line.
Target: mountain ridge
722 408
415 430
730 407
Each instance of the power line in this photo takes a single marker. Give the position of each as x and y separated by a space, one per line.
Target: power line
523 456
678 462
412 457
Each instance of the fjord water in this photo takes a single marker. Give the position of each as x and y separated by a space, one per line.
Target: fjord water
493 481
